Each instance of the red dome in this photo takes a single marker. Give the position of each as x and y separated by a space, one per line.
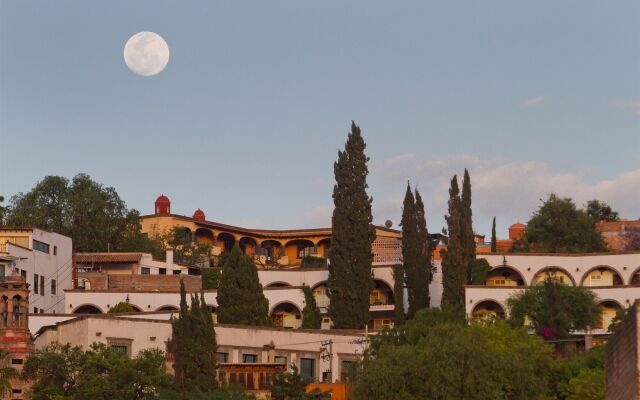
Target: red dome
199 215
516 231
163 205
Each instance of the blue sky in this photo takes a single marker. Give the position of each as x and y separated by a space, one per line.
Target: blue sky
246 120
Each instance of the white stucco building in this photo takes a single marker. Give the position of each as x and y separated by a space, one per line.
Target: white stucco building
613 277
321 355
44 259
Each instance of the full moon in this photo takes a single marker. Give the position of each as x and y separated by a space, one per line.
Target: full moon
146 53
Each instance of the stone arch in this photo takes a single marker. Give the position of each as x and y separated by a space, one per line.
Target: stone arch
602 275
488 309
381 293
324 247
504 275
168 307
557 273
204 236
225 241
321 293
248 245
135 308
285 314
87 308
634 279
608 310
272 250
299 248
278 284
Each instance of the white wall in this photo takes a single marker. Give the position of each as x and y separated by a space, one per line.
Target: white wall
235 340
50 266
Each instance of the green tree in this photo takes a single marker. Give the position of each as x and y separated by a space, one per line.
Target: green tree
587 385
70 373
554 309
454 270
466 226
293 386
559 227
240 297
425 270
121 307
410 247
437 355
600 211
311 318
193 345
351 257
93 215
3 210
185 249
398 294
479 270
211 278
494 239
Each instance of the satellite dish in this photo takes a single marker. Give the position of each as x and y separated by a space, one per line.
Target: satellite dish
388 223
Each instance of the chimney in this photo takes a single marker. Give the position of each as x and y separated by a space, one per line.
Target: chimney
169 257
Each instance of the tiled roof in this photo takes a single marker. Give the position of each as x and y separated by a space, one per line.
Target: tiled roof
108 257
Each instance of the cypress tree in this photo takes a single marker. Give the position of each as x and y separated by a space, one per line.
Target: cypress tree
454 270
466 227
240 297
193 345
494 239
398 294
410 249
424 272
311 318
349 280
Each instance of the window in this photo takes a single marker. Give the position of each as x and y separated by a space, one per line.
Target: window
40 246
280 360
222 357
345 370
35 283
2 270
162 271
16 361
146 271
249 358
120 348
42 285
35 310
16 391
176 272
307 368
304 251
55 250
120 345
54 287
24 274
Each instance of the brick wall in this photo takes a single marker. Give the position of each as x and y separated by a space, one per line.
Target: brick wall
621 365
101 281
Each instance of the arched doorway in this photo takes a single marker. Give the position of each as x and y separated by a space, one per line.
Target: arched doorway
381 294
487 310
321 294
272 251
204 236
602 275
554 273
168 308
504 276
87 309
248 245
608 311
286 315
225 241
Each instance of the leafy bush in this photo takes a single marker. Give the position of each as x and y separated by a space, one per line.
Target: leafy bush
211 278
313 262
122 307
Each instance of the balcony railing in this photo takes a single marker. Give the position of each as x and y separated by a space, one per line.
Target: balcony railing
3 248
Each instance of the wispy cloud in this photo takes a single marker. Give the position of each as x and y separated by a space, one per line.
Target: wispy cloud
632 107
508 189
534 101
399 159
